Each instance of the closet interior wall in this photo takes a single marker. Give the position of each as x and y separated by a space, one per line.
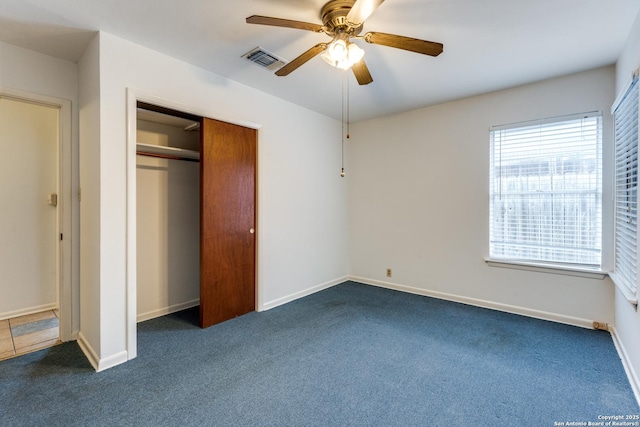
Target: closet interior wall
168 219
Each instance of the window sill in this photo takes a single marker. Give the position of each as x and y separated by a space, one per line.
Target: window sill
548 268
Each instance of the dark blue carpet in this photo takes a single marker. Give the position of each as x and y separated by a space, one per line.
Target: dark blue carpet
350 355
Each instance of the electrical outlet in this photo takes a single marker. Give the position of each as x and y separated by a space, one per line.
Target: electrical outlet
388 272
601 326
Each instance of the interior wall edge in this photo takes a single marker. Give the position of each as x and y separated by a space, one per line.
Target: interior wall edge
507 308
632 375
131 248
301 294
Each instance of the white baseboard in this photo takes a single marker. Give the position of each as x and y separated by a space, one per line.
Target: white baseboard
100 364
113 360
554 317
300 294
141 317
634 380
88 351
27 311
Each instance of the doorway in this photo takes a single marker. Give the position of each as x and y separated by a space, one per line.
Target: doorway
29 223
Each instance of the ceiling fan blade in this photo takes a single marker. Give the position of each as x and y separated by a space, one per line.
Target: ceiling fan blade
287 23
361 71
406 43
300 60
361 10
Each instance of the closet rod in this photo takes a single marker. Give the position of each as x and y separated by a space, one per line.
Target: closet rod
166 156
152 150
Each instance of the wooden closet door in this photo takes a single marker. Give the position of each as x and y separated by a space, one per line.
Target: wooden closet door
227 221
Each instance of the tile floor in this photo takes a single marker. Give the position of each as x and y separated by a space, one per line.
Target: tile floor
29 333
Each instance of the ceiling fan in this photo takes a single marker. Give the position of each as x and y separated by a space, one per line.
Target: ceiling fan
343 20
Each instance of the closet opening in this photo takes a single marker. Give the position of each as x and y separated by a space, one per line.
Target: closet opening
195 215
167 211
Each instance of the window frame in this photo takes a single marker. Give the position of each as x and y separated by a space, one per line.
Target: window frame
626 281
531 264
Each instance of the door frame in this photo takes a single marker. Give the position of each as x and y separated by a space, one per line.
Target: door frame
133 96
67 249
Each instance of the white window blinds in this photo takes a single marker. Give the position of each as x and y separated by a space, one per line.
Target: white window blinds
626 209
546 191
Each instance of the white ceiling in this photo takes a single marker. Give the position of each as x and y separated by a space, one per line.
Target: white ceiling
488 44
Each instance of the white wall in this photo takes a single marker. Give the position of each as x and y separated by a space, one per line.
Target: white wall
301 212
168 224
28 71
419 201
627 317
629 60
34 72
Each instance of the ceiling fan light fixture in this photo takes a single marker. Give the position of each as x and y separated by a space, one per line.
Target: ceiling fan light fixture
355 53
342 54
338 50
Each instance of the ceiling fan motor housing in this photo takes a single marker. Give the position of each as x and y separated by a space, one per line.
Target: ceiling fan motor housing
334 18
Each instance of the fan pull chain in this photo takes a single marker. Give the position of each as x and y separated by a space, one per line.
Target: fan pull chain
348 108
342 133
347 121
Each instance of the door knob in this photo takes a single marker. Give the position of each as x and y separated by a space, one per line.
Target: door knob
252 231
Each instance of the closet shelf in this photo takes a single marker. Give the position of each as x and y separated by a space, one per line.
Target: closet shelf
166 152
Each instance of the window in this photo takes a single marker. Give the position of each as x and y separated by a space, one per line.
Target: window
625 115
546 191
